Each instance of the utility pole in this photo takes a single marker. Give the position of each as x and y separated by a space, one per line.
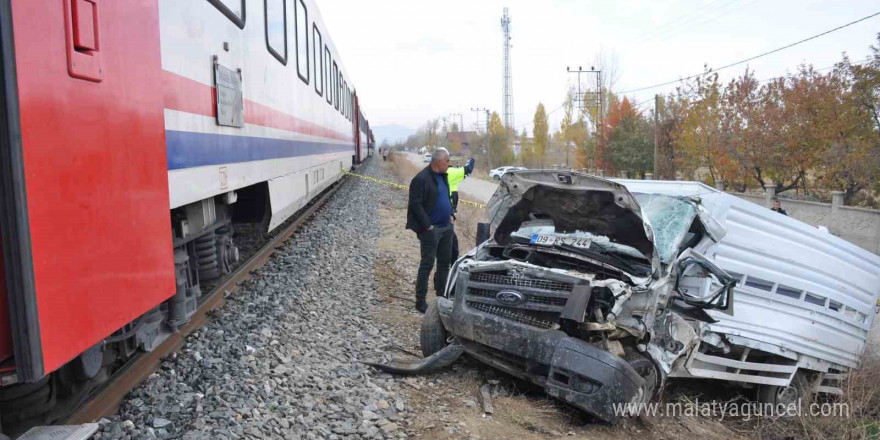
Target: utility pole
461 120
656 136
479 110
488 147
598 101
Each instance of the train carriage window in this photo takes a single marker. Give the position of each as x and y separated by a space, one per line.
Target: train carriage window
276 29
340 84
317 43
302 41
233 9
335 85
327 77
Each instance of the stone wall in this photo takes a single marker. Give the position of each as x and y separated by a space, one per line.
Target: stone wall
856 225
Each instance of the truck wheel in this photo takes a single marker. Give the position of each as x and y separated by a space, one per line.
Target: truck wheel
645 367
433 335
785 395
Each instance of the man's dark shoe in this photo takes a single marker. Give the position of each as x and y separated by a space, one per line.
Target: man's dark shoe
421 305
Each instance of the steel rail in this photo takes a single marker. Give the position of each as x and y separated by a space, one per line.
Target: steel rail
106 399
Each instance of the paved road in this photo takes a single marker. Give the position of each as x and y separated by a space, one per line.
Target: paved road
479 190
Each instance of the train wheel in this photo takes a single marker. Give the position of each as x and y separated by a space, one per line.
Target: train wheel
87 365
28 404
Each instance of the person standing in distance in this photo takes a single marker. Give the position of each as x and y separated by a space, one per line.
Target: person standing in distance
429 215
778 208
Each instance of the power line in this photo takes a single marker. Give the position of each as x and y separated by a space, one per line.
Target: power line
691 94
676 32
651 99
854 63
666 26
548 115
754 57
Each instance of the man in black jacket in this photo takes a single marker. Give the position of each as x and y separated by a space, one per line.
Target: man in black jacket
429 215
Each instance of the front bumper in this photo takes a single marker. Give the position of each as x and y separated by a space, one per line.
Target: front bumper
569 369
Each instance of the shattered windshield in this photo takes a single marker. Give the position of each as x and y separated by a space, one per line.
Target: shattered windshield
670 218
544 227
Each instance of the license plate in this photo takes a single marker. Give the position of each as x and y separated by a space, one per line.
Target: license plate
551 240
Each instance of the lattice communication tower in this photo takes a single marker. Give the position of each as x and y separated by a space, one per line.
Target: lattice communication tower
507 105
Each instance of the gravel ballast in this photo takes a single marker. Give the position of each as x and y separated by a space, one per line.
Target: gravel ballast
282 358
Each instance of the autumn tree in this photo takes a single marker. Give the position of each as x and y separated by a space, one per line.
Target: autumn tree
541 132
572 135
851 159
499 152
750 119
527 156
699 138
670 118
432 129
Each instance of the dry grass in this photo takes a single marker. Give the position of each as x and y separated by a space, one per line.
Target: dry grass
858 417
466 222
402 168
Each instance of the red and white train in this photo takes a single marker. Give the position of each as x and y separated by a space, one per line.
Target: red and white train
132 134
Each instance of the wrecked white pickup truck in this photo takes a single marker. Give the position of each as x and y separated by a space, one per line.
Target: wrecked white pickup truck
599 290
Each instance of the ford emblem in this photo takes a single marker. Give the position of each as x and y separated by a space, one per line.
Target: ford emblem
510 297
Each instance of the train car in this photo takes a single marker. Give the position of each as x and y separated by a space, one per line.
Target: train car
134 135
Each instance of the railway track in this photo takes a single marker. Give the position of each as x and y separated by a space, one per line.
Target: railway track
105 400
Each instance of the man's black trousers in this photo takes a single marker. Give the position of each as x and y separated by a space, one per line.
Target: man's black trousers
436 247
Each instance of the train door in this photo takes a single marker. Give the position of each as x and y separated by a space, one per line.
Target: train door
16 276
357 127
86 237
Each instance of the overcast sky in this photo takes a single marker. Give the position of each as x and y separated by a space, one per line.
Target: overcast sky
413 60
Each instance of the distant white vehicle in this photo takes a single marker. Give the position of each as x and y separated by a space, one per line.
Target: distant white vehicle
427 157
500 171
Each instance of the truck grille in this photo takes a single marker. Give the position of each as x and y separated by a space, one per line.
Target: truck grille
517 315
542 300
535 299
507 280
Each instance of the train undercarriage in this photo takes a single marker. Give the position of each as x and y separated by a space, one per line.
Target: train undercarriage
204 252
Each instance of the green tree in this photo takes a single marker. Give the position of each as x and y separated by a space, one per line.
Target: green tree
631 145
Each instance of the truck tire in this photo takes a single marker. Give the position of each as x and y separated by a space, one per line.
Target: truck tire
775 395
433 335
646 368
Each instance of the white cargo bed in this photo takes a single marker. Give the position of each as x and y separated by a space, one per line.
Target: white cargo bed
802 294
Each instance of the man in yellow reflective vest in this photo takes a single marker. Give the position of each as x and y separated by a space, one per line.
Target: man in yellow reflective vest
455 175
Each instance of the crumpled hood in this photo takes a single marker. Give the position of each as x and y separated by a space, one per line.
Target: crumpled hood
575 202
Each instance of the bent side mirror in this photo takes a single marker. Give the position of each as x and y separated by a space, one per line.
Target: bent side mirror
483 233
